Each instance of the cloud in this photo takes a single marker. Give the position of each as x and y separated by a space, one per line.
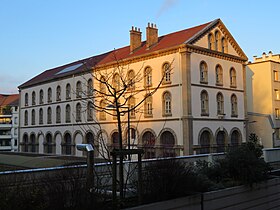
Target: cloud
167 4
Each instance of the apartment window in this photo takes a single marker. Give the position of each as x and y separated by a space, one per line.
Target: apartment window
26 99
33 117
131 80
217 40
277 94
219 75
148 106
58 93
203 72
224 45
233 105
79 89
41 100
26 117
166 70
48 144
116 82
276 75
41 116
33 98
68 91
277 113
49 115
131 105
90 87
102 113
204 103
167 104
90 111
68 144
68 113
148 77
220 104
211 41
58 114
78 112
102 85
49 95
232 74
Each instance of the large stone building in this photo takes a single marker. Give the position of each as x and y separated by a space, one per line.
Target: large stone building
263 89
9 122
199 106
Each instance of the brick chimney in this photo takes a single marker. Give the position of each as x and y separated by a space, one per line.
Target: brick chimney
135 39
152 35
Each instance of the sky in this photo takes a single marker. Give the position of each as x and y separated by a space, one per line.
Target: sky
37 35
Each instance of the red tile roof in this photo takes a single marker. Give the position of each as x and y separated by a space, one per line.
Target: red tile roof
9 100
164 42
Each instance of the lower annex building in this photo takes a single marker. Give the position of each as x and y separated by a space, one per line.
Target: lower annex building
196 75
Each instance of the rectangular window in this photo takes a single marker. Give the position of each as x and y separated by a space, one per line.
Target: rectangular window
276 75
277 133
277 113
277 94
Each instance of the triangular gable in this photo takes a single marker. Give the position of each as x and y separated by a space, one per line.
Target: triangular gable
201 38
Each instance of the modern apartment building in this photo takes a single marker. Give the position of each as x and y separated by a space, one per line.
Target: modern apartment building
9 122
263 93
199 106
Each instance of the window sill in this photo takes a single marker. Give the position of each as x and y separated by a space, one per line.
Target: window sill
204 82
233 86
219 84
166 83
148 116
205 114
167 115
234 115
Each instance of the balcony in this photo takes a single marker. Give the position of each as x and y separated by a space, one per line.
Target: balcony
5 148
5 136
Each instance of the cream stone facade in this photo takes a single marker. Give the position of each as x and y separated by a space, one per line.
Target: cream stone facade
263 88
199 107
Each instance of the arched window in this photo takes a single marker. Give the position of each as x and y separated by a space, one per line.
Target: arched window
49 144
166 71
217 41
102 113
232 74
131 105
90 111
116 82
79 89
167 104
167 141
204 103
78 112
58 93
26 99
102 85
131 80
221 141
41 116
33 98
68 91
33 117
148 141
115 140
33 142
234 110
148 106
203 72
58 114
49 117
148 77
219 75
211 41
205 142
220 104
49 95
235 138
90 87
68 144
224 45
25 143
26 117
41 97
68 113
